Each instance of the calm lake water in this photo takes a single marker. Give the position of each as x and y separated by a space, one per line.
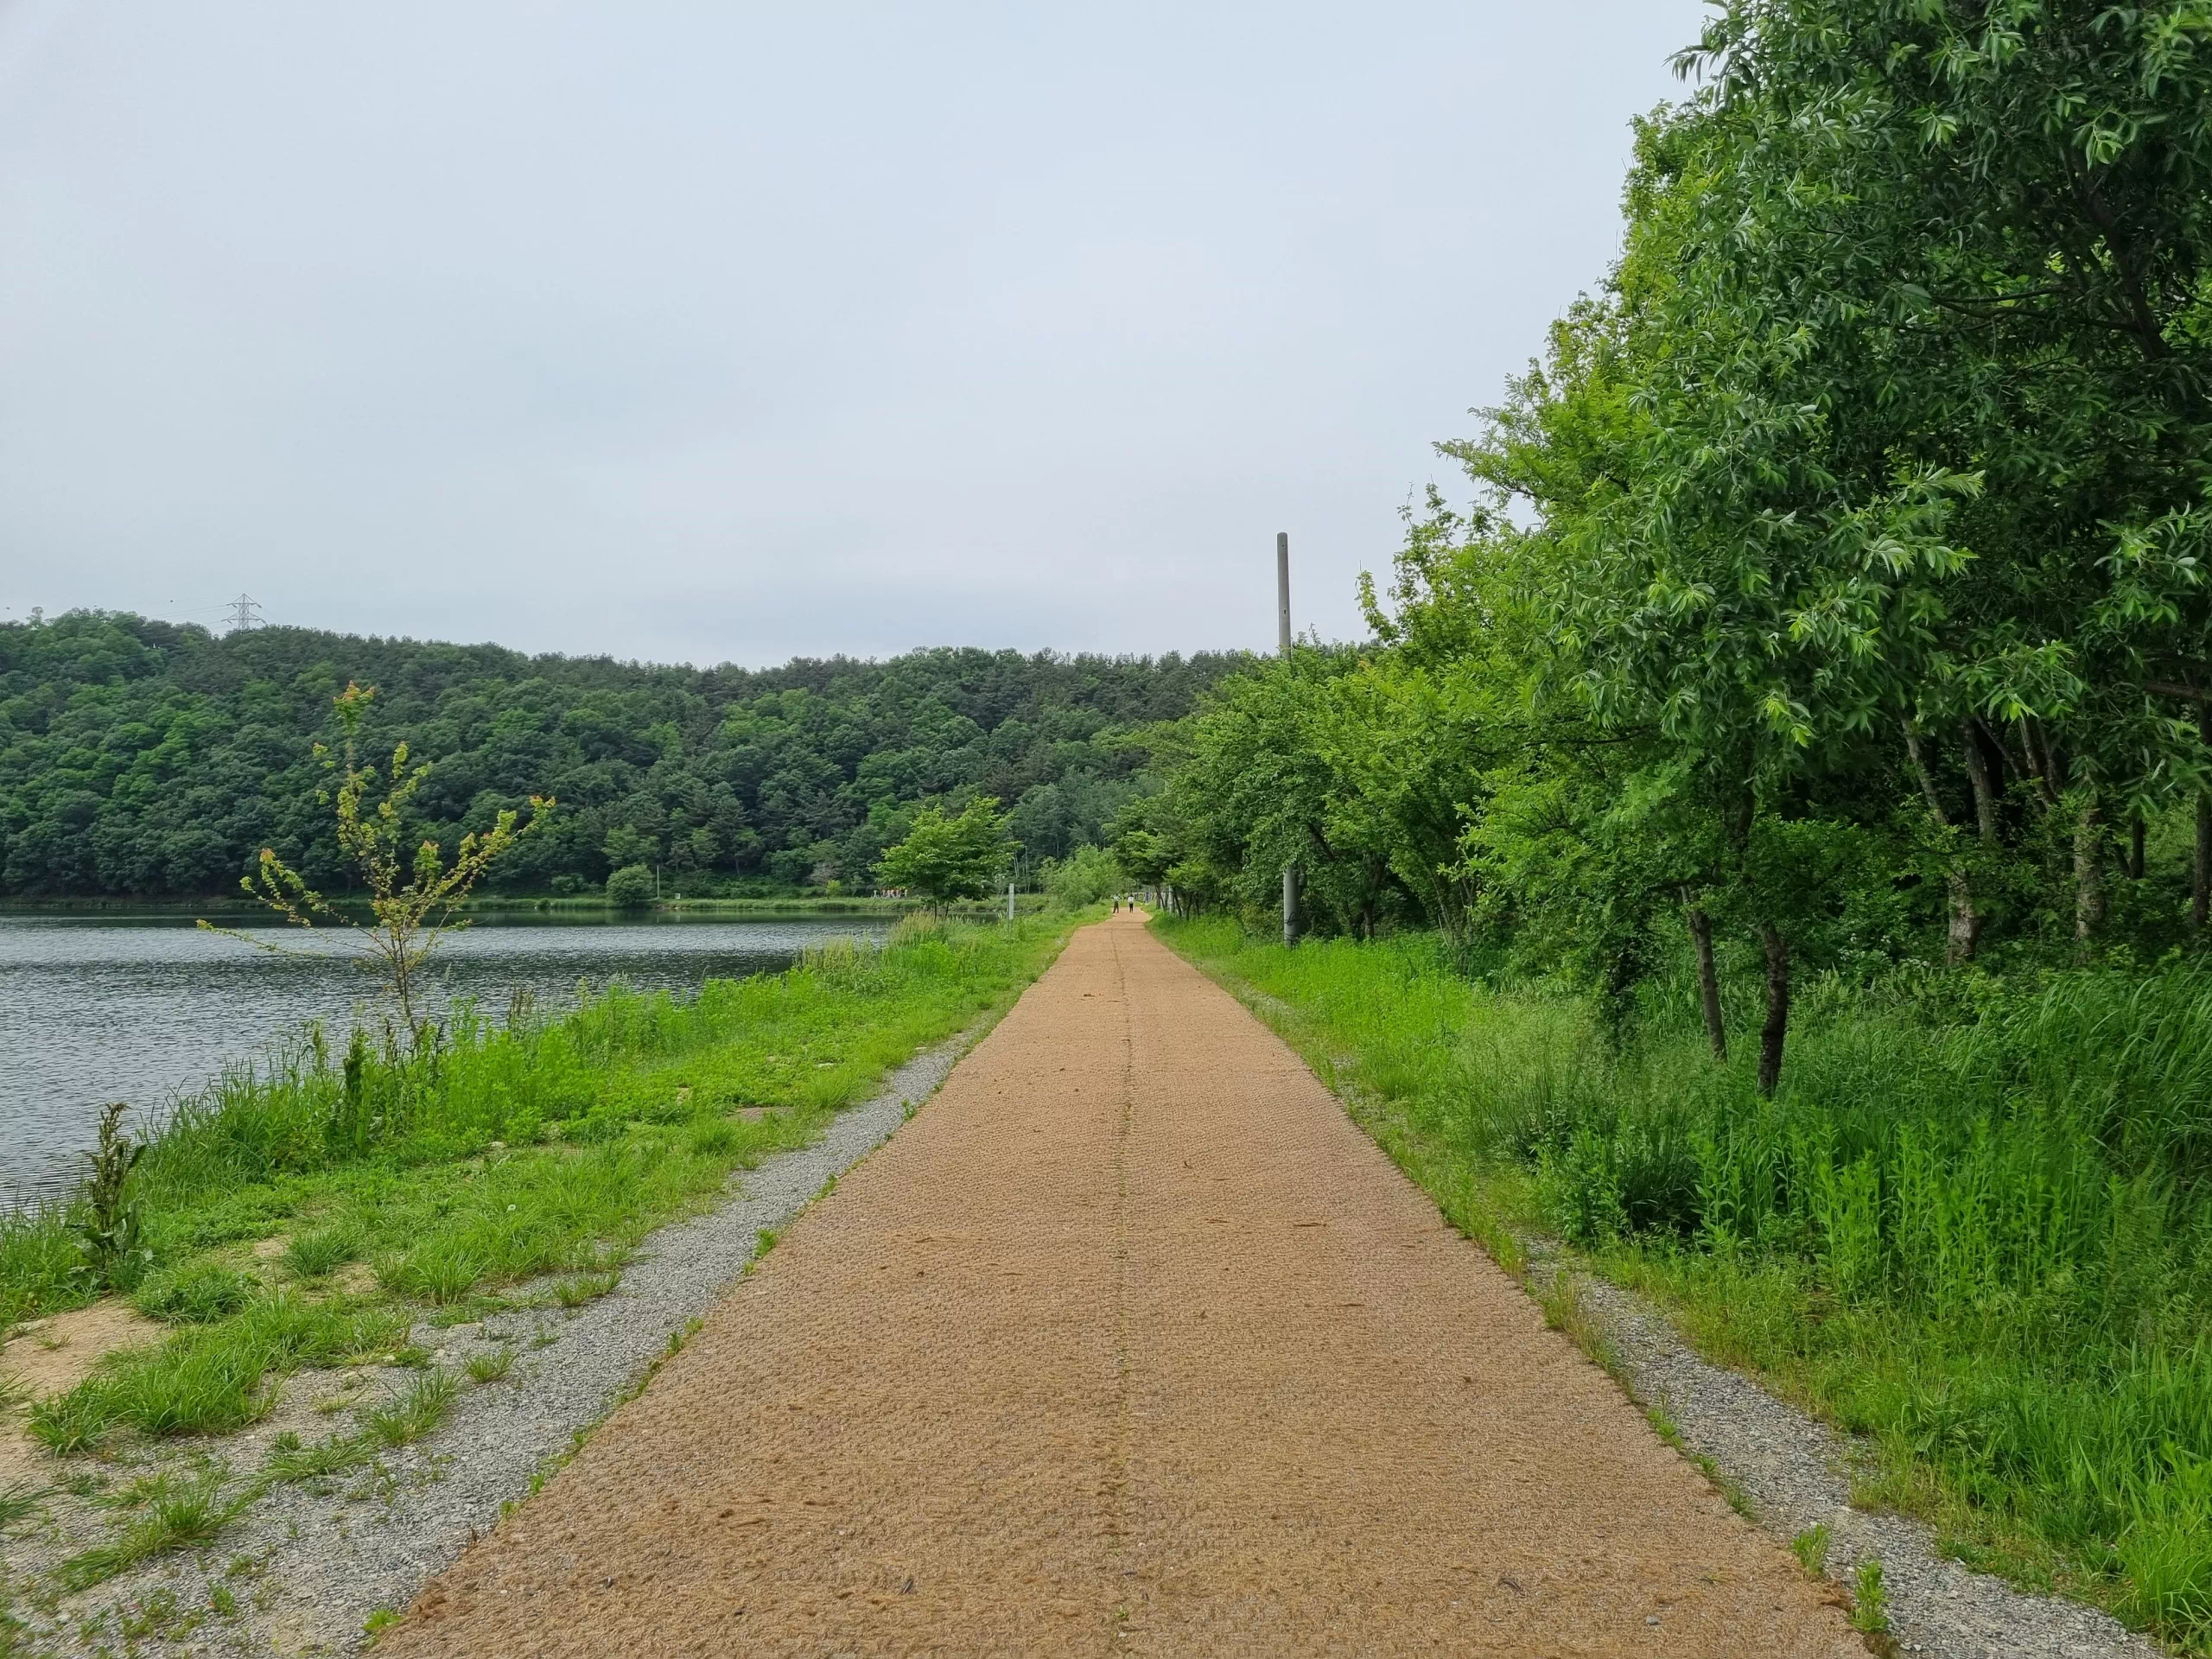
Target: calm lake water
100 1009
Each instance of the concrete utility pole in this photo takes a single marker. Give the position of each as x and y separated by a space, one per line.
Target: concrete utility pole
1290 918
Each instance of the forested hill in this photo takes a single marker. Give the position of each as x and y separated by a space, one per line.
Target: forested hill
139 757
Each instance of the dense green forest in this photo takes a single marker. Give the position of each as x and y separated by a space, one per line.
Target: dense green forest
141 758
1767 840
1836 583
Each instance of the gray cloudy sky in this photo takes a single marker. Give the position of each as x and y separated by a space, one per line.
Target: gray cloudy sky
716 331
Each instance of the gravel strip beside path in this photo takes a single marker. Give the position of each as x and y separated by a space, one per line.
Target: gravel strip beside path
1797 1473
1130 1342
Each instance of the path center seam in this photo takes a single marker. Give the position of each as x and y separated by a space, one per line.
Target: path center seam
1117 1480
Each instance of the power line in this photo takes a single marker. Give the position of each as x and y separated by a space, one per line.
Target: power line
244 612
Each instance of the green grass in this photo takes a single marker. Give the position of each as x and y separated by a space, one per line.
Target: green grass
291 1459
174 1515
209 1379
1870 1601
315 1252
545 1153
1974 1225
196 1293
19 1501
586 1287
416 1414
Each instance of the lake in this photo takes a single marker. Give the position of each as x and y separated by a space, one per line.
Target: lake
95 1008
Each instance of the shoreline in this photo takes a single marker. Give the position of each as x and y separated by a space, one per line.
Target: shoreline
589 907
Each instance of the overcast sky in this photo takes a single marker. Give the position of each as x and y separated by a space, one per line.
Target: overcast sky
714 332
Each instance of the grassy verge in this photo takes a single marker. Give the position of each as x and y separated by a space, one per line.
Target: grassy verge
406 1185
1975 1224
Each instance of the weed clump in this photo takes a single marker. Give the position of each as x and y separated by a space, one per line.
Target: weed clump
111 1222
318 1251
19 1501
713 1137
209 1379
290 1460
416 1414
175 1515
196 1295
1870 1601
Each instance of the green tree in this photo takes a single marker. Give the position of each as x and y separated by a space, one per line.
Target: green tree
630 887
414 900
1083 877
944 858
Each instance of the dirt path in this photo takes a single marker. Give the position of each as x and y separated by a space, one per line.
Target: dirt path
1130 1343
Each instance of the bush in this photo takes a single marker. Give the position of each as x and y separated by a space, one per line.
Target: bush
1083 877
630 887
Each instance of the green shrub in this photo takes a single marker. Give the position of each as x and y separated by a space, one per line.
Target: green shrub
1085 877
632 888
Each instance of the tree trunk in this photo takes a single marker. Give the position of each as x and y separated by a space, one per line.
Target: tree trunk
2042 764
1708 980
1963 935
1984 787
1775 1032
2088 873
1965 924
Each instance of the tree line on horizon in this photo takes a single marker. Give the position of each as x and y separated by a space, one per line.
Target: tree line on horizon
145 759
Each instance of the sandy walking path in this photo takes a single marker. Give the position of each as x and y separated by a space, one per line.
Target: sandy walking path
1130 1342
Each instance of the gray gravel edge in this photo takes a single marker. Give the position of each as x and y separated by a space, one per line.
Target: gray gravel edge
1797 1473
326 1565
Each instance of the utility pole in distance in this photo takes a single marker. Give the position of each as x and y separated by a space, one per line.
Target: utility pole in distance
1290 918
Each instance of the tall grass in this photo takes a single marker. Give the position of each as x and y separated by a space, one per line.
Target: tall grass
1975 1221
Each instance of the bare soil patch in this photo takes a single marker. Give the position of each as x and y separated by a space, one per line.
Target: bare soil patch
58 1352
